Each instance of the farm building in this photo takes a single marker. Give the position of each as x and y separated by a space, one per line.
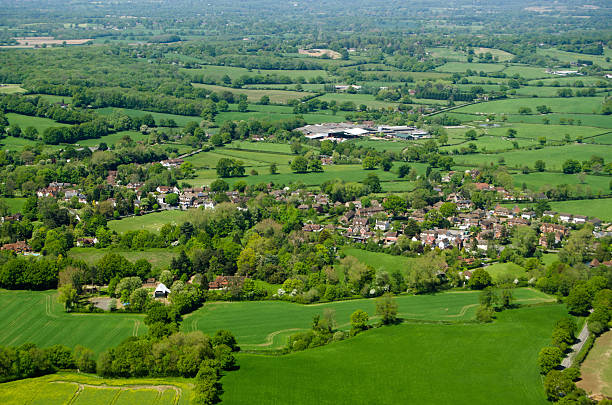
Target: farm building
335 131
161 291
224 282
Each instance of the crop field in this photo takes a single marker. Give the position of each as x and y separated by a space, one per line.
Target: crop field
180 120
432 364
267 324
591 120
573 105
37 317
599 208
151 222
554 156
597 368
73 388
276 96
159 258
25 121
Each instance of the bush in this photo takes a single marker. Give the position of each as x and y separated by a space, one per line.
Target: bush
485 313
558 385
549 358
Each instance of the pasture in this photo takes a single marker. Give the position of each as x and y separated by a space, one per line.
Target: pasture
73 388
150 222
358 99
505 271
180 120
25 121
266 325
597 368
452 67
408 363
11 89
554 156
114 138
573 105
382 261
37 317
599 208
276 96
592 185
159 258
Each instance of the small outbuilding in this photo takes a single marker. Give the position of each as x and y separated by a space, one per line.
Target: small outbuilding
161 291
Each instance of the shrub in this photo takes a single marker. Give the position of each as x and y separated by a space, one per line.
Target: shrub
549 358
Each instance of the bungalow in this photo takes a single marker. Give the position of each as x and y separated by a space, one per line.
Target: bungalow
565 217
224 282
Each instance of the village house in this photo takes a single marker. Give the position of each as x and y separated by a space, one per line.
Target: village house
171 163
225 282
19 247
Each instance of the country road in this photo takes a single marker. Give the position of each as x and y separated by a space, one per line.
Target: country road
582 337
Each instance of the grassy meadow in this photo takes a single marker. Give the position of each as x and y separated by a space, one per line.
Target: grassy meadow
158 257
431 363
151 222
599 208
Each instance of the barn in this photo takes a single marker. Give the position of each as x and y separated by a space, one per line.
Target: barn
161 291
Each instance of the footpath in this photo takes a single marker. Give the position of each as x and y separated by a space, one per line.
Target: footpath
582 337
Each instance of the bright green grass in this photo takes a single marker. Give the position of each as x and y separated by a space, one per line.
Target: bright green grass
591 120
504 270
451 54
583 105
554 156
599 208
501 55
210 159
25 121
605 139
538 91
311 118
382 261
151 222
217 72
11 89
255 156
60 388
276 96
37 317
267 324
306 86
408 363
180 120
543 181
551 132
53 99
12 143
568 81
385 145
527 72
158 257
14 204
114 138
452 67
262 146
574 57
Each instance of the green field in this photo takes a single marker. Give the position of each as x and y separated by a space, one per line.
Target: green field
382 261
72 388
37 317
181 120
597 367
573 57
11 89
14 204
574 105
503 271
267 324
276 96
408 363
599 208
114 138
452 67
151 222
159 258
543 181
25 121
554 156
358 99
217 72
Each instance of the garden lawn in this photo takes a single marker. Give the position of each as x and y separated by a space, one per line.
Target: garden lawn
37 317
14 204
266 325
408 363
